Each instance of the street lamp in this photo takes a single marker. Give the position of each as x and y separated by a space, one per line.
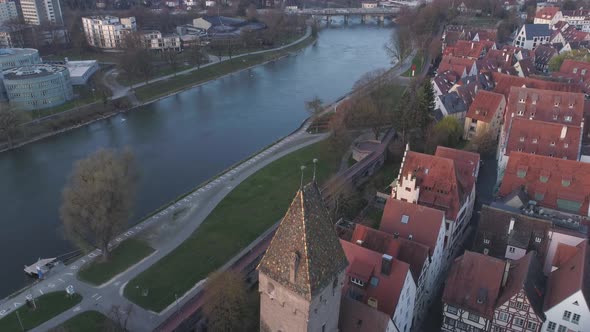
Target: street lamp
315 161
301 184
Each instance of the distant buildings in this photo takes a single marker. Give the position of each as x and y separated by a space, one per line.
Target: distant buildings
38 86
41 12
155 40
8 11
107 32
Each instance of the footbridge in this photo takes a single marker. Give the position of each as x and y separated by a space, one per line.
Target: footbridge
379 12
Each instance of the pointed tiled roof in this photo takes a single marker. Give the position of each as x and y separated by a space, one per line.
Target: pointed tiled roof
305 232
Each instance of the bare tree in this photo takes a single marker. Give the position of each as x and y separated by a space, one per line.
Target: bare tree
314 106
375 78
171 57
10 120
400 45
484 143
98 199
225 303
119 318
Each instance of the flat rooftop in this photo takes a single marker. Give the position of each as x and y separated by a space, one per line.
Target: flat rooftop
79 68
32 71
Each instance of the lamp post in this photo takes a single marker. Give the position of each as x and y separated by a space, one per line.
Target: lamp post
315 161
301 184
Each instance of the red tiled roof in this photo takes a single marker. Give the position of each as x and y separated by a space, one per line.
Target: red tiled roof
407 251
474 276
466 49
484 106
445 179
423 223
388 289
558 170
563 254
504 82
356 316
570 277
547 13
544 138
578 69
455 64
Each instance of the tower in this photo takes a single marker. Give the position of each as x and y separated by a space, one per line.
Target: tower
302 271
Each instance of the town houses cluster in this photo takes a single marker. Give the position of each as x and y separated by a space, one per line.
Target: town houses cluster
523 266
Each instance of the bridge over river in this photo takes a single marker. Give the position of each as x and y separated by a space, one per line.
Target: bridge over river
378 12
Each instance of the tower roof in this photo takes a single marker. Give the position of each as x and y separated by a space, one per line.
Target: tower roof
304 254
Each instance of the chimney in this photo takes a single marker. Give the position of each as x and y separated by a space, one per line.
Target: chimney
386 262
511 226
410 237
395 235
472 45
373 302
563 132
359 242
505 276
507 56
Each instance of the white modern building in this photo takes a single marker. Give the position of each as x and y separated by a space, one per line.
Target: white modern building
107 31
41 12
8 11
155 40
81 71
532 35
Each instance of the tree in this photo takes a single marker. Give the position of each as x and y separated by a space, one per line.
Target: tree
314 106
98 199
485 143
446 132
578 55
365 113
225 303
339 139
144 65
425 104
10 121
196 55
400 45
171 57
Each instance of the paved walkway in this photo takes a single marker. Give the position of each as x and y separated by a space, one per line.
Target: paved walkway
118 90
199 203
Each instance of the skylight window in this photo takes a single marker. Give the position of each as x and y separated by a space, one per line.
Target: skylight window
405 219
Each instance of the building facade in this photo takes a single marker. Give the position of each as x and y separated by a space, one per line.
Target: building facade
156 41
484 115
532 35
41 12
8 11
37 86
107 32
16 57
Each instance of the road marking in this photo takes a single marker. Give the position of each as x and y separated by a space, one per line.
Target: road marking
116 283
51 285
61 280
95 295
69 273
76 309
40 291
98 298
17 304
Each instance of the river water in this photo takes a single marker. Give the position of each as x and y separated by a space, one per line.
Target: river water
179 141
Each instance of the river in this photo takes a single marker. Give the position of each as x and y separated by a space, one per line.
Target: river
179 141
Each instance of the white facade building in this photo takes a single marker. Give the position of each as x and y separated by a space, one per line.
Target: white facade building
107 31
154 40
41 12
532 35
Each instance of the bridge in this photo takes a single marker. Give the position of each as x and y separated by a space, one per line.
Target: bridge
377 11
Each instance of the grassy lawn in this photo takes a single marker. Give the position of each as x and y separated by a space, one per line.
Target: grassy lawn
162 88
249 210
478 21
48 306
88 321
126 254
418 61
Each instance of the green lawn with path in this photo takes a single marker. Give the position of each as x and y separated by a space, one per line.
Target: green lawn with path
125 255
88 321
179 82
418 61
48 306
243 215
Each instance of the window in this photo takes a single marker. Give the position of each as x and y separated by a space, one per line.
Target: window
576 319
535 141
568 118
531 326
544 178
497 329
552 143
511 250
565 183
568 205
567 315
374 281
473 318
518 305
537 239
486 241
562 328
521 138
503 316
566 145
452 309
518 321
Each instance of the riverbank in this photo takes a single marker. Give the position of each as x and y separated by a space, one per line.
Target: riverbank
150 93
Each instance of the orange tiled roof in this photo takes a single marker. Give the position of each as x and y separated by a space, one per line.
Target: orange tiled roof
466 49
484 106
554 179
455 64
547 13
504 82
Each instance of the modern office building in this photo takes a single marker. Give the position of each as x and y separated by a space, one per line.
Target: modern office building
8 11
107 31
41 12
38 86
15 57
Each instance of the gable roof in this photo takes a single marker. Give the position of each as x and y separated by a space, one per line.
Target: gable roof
563 254
356 316
504 82
366 263
544 138
485 105
547 13
474 283
567 180
455 64
494 226
467 49
306 231
536 30
408 251
445 179
525 274
544 53
570 277
580 70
